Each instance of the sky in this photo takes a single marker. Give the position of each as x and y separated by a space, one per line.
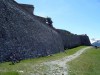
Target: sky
76 16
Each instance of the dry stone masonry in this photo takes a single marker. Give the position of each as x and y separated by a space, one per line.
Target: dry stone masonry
29 36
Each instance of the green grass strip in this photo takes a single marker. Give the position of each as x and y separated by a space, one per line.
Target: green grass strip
9 73
87 64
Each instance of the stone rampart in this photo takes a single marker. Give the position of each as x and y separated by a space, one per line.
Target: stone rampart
28 35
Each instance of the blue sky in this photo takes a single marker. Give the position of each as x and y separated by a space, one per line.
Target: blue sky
76 16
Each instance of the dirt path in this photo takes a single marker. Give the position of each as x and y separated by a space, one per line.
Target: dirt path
59 67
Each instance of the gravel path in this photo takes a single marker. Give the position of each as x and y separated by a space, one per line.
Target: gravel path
59 67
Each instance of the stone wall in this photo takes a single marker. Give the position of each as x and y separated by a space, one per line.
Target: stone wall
72 40
29 8
40 19
85 40
69 40
22 34
29 36
44 21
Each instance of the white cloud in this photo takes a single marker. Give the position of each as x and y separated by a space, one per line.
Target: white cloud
93 40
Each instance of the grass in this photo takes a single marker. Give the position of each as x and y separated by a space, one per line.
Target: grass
26 67
87 64
9 73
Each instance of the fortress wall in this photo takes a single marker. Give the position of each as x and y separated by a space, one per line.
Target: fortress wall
85 40
24 35
29 8
41 19
72 40
69 40
28 36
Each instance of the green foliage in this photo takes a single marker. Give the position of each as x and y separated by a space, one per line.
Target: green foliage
87 64
9 73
